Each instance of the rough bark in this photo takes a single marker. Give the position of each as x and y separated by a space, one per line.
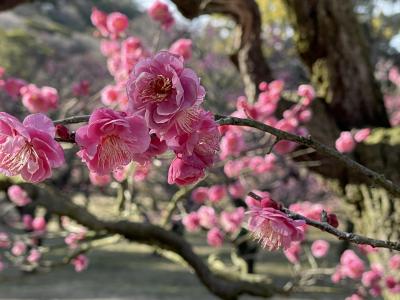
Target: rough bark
9 4
248 55
331 42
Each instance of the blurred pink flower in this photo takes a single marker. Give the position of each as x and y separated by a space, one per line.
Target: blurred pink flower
80 263
12 86
216 193
117 23
306 90
182 47
207 216
345 143
18 195
394 262
111 139
27 221
191 222
215 237
236 190
81 88
232 221
39 224
110 94
200 195
319 248
159 12
362 134
293 252
29 149
99 20
351 265
232 143
34 256
39 100
4 240
18 248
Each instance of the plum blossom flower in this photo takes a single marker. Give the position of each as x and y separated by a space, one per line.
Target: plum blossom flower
362 134
18 195
110 94
306 90
273 228
80 263
207 216
185 171
293 253
34 256
39 224
12 86
39 100
191 222
200 195
159 12
394 262
345 143
111 139
99 20
81 88
182 47
351 265
161 89
215 237
216 193
232 221
319 248
18 248
236 190
4 240
27 221
29 148
117 23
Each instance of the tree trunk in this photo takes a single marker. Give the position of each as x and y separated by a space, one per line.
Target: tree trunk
248 55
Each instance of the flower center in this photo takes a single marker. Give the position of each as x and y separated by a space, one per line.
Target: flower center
14 162
158 89
114 152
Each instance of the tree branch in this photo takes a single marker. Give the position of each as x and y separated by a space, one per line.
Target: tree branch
341 235
155 236
370 176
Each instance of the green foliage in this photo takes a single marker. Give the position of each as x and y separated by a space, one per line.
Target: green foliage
21 53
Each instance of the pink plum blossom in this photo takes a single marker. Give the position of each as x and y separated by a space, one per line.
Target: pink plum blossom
27 221
159 12
345 143
216 193
215 237
4 240
273 228
182 47
110 95
293 252
111 140
232 143
191 222
207 216
200 195
18 195
163 91
306 90
29 148
18 248
99 20
39 100
39 224
236 190
117 23
232 221
80 263
394 262
185 171
12 86
351 265
156 147
362 134
319 248
34 256
81 88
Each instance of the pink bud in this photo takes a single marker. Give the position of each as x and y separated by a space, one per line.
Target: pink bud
39 224
320 248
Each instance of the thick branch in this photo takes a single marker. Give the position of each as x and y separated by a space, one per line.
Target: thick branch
155 236
248 56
